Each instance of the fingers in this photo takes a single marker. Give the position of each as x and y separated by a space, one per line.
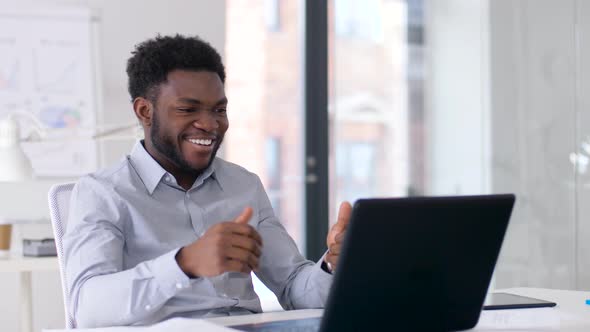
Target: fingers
245 243
335 249
245 216
232 246
246 231
332 260
244 256
340 237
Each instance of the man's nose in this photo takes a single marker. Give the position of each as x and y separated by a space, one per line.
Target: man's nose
206 121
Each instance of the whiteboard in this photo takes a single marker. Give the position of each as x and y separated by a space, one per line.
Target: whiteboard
48 67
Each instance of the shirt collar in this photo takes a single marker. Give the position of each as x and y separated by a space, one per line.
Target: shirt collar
211 171
151 173
215 173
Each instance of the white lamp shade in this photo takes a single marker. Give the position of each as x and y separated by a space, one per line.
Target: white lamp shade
14 164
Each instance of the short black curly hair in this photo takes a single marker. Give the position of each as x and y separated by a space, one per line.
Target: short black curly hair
153 59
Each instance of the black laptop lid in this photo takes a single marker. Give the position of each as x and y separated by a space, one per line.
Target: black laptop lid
413 264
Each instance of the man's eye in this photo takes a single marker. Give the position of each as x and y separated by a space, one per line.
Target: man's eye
221 110
188 110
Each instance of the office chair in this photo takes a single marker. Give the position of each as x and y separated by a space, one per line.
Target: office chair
59 203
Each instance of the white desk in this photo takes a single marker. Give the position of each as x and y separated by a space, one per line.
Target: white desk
24 266
266 317
572 313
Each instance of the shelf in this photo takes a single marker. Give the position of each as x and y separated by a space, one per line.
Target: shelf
12 262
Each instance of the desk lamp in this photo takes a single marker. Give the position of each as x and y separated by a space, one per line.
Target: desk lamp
15 166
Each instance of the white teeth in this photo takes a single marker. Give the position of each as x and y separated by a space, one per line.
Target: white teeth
205 142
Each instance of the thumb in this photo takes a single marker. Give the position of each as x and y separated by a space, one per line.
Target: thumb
245 216
343 216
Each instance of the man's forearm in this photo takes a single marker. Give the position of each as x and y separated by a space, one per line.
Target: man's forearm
309 288
127 297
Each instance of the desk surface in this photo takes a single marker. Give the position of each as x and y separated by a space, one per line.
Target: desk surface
266 317
574 313
571 314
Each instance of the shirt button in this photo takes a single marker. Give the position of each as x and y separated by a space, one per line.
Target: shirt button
223 294
148 307
167 178
179 285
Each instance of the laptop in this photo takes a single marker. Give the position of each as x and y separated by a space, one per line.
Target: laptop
412 264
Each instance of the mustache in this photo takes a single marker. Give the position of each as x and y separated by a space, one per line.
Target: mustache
203 134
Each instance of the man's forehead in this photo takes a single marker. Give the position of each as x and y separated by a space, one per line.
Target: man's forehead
196 85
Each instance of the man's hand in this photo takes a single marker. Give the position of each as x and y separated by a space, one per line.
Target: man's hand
232 246
336 235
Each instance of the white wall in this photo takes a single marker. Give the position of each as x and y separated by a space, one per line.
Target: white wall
122 24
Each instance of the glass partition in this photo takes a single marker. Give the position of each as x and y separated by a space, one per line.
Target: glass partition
466 97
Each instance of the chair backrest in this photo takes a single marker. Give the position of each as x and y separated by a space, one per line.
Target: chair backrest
59 204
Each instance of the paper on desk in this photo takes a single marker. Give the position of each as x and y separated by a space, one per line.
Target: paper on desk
171 325
538 319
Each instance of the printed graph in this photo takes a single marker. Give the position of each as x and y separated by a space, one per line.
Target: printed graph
56 67
47 69
60 116
9 65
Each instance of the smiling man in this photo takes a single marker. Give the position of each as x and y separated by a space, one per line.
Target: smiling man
173 230
186 134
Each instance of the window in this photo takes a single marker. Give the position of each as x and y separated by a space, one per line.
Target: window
272 14
358 19
273 173
375 104
355 167
265 102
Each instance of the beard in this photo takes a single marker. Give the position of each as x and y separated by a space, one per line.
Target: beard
165 144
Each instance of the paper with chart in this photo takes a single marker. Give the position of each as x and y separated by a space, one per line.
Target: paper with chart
47 68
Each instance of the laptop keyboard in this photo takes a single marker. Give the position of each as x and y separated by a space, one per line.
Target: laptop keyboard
291 325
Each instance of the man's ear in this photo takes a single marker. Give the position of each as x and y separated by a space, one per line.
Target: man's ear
143 109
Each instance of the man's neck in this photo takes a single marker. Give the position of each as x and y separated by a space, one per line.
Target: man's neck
185 179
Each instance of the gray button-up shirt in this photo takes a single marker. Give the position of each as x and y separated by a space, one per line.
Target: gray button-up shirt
127 223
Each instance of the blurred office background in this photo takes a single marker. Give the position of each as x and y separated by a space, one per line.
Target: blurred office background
426 97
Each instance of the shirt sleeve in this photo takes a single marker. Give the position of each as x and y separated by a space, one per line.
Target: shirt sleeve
298 283
100 292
